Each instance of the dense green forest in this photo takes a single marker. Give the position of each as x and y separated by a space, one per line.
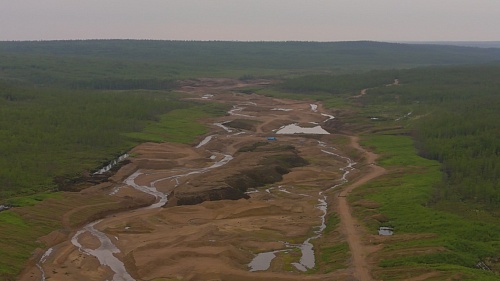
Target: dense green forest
50 133
461 130
452 112
82 62
339 85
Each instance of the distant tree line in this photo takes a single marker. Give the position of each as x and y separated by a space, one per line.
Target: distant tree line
339 84
67 62
126 84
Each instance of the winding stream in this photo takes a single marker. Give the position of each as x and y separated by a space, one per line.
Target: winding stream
347 169
221 125
262 261
42 261
308 260
236 111
105 253
330 117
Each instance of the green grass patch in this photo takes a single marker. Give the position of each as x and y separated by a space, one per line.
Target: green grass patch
332 222
334 102
270 92
32 199
285 260
334 257
11 218
180 125
404 195
396 151
18 242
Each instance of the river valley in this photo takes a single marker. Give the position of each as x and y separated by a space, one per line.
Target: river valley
273 230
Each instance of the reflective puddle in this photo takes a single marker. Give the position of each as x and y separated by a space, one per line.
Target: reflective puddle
296 129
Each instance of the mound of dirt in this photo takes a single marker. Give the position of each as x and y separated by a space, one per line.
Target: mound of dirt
212 194
244 124
270 170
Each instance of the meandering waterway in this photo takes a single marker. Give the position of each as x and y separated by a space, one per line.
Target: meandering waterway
105 253
262 261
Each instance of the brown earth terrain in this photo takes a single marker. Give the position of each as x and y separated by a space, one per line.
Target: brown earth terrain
276 189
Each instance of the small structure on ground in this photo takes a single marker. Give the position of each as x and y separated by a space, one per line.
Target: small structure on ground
385 231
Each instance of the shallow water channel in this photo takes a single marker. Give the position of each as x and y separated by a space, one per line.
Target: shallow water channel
262 261
42 261
205 141
105 253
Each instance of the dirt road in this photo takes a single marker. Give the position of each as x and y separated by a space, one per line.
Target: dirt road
350 226
196 236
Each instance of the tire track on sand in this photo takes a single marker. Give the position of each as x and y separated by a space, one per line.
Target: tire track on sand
350 226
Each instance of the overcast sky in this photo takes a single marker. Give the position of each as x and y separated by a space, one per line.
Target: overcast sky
252 20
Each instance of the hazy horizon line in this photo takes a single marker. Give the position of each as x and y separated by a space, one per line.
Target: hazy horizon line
255 41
